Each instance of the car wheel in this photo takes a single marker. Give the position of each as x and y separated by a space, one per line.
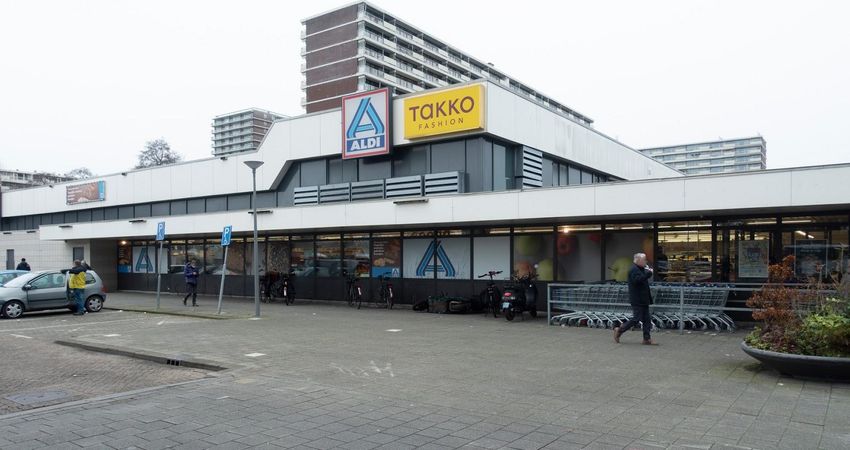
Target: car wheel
13 309
94 303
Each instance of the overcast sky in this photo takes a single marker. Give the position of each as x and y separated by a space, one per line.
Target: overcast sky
86 83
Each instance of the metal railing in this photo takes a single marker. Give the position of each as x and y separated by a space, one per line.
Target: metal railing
675 305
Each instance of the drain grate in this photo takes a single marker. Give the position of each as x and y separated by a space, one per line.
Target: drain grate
173 362
32 398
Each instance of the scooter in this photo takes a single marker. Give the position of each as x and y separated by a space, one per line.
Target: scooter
520 296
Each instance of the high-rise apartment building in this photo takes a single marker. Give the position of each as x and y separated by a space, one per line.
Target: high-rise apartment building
721 156
241 131
15 179
360 47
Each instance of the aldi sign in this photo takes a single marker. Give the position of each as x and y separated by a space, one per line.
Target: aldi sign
366 124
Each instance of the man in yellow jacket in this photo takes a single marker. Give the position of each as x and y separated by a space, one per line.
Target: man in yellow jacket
77 284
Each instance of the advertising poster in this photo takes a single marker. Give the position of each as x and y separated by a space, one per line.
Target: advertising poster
492 253
386 257
453 258
753 259
810 257
125 259
143 259
534 253
94 191
418 263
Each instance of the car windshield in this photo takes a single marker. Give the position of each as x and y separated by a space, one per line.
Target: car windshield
20 281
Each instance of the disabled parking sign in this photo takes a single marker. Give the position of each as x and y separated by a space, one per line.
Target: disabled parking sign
225 235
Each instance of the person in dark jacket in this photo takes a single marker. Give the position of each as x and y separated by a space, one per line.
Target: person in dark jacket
190 272
640 298
23 265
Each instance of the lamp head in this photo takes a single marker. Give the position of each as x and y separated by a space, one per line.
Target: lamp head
254 165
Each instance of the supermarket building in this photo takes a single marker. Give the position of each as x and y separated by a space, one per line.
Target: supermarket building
434 188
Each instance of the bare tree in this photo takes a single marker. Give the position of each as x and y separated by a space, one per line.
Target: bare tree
157 153
80 173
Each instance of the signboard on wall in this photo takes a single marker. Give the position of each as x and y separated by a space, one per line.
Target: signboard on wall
446 111
94 191
366 124
753 259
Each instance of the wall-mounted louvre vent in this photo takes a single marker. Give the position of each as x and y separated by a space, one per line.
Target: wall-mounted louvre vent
532 168
331 193
404 186
443 183
308 195
364 190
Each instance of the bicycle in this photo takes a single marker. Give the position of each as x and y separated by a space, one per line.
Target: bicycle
386 293
354 293
491 296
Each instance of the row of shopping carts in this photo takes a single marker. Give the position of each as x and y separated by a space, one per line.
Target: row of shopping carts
691 306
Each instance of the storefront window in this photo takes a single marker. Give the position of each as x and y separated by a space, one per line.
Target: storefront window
533 253
328 258
492 253
684 252
278 254
579 253
386 256
195 251
249 256
177 257
302 258
355 259
214 257
820 252
621 244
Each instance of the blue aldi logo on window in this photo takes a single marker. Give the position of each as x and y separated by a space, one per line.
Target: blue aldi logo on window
365 124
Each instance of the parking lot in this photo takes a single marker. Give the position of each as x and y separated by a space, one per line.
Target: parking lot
324 376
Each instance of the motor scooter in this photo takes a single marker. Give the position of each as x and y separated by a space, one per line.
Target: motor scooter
519 296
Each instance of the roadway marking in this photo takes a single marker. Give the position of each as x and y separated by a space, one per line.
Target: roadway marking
75 325
394 330
111 335
20 336
254 355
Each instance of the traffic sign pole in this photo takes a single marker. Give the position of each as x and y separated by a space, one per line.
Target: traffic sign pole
223 270
225 242
160 236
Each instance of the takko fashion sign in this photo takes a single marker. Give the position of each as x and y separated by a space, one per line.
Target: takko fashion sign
365 124
446 111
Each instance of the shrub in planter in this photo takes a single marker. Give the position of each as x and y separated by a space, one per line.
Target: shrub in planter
800 321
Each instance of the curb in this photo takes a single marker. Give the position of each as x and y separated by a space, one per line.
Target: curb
193 363
199 315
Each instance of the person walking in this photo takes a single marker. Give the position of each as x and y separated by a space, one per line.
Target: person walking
640 298
77 284
23 265
190 272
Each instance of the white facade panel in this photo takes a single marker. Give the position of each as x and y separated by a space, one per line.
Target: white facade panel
635 198
769 189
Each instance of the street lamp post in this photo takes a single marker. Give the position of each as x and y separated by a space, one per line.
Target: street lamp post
254 165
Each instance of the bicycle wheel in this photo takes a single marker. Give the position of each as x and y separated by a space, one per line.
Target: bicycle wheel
350 297
390 300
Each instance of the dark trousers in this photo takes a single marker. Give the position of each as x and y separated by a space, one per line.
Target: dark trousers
639 314
191 290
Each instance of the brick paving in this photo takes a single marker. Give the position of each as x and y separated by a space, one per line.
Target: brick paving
333 377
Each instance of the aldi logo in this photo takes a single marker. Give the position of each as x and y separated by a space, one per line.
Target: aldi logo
365 124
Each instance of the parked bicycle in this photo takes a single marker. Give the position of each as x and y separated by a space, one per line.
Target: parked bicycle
281 286
354 293
386 293
491 296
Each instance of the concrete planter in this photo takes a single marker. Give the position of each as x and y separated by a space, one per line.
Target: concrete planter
802 366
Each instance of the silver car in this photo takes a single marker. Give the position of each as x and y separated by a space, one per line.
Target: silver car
47 289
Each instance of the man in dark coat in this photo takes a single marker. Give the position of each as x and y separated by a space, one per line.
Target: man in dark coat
23 265
640 299
190 272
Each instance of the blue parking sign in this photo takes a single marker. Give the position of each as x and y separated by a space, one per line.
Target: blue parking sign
160 231
225 235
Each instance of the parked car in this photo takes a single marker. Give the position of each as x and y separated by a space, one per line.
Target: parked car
9 275
47 289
